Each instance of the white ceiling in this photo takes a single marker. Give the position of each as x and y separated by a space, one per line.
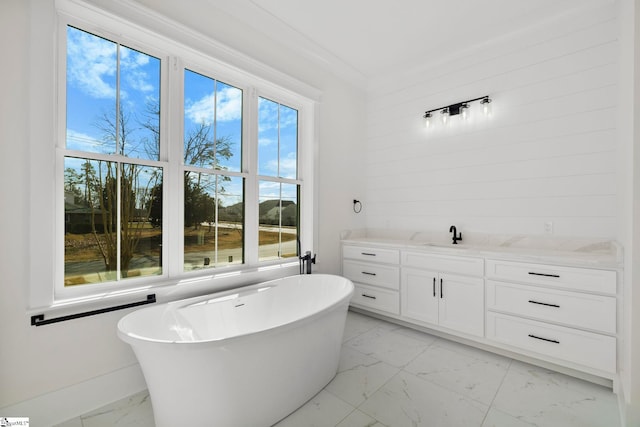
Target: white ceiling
368 38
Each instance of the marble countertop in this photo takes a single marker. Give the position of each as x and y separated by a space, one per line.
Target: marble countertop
579 252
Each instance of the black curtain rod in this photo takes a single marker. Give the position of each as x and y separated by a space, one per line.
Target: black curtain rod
39 320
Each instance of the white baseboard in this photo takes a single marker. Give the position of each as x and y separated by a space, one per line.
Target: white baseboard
70 402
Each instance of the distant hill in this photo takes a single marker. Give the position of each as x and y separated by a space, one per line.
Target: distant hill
268 211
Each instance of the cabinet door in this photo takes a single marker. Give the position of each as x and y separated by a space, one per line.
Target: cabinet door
420 291
462 304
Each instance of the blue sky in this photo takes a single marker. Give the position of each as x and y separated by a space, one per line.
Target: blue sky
91 95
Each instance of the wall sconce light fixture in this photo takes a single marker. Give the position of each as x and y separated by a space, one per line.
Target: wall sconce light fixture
461 108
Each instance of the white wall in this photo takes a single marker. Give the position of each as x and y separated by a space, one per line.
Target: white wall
547 154
629 205
14 152
54 360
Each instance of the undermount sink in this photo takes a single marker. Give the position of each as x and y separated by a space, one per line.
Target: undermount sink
441 245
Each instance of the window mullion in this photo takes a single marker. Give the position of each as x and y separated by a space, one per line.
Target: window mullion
174 188
118 230
250 165
215 219
119 150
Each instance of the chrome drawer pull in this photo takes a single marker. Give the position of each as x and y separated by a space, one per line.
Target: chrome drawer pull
367 254
544 339
368 296
368 274
544 303
543 274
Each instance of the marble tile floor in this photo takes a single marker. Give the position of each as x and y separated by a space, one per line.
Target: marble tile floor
395 377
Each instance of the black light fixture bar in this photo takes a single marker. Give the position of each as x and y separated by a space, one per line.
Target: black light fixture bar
454 109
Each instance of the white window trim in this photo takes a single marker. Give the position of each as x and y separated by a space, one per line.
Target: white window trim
239 70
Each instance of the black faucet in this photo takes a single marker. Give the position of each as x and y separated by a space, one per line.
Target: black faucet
453 230
305 262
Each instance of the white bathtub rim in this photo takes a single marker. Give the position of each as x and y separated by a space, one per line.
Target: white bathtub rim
136 339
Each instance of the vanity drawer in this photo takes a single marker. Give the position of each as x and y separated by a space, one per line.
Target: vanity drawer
363 253
379 299
587 311
584 348
372 274
467 266
584 279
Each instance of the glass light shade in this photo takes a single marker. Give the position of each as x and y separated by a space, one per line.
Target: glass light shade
486 106
445 115
464 111
427 120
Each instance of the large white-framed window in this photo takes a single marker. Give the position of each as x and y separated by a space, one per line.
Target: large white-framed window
157 149
278 183
112 160
214 173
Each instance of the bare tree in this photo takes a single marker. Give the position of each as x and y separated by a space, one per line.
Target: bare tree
122 188
200 149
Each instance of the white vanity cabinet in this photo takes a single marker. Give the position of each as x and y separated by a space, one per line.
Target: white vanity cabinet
375 273
558 311
443 291
565 313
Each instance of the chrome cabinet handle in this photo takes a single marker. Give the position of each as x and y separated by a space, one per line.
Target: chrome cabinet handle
367 254
368 296
441 294
434 287
368 274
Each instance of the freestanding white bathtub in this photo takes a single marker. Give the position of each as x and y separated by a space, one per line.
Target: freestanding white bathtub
246 357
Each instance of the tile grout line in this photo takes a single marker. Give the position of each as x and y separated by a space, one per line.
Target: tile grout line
400 369
506 372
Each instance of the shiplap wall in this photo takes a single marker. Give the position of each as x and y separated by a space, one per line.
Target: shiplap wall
547 153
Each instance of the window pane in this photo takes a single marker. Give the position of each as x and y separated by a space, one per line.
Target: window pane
278 220
139 124
141 236
288 142
228 127
91 92
109 109
267 137
214 220
89 223
212 123
92 231
277 140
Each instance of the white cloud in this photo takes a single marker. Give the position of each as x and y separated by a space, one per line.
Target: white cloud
288 168
92 65
201 111
90 61
132 65
269 190
84 142
270 112
288 117
229 104
267 115
266 141
229 107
